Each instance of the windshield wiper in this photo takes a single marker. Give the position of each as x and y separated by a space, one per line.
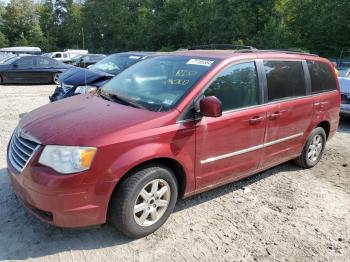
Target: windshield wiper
120 99
126 101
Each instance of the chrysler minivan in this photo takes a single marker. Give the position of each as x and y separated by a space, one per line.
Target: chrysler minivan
169 127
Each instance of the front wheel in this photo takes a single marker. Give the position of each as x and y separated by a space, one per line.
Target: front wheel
55 78
313 149
144 201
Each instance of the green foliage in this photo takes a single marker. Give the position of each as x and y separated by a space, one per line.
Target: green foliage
21 23
3 40
320 26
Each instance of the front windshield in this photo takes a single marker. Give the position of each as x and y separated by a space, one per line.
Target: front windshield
158 83
116 63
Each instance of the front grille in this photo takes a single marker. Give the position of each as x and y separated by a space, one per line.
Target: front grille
345 98
21 150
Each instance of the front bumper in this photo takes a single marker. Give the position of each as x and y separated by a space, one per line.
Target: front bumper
63 201
59 93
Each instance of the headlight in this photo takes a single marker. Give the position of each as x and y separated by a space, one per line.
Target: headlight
85 89
66 87
67 159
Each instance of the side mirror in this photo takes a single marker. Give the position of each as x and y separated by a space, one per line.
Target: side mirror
210 106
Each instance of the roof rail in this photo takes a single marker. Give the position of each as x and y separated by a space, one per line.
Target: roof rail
247 49
222 47
287 51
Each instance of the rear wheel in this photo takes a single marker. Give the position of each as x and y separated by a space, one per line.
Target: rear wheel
313 149
144 201
1 81
55 78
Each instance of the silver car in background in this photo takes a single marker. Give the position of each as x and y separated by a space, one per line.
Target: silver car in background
344 83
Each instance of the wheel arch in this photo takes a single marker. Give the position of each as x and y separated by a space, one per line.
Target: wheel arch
168 162
326 127
174 165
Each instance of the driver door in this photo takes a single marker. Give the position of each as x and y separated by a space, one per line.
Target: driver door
21 70
230 147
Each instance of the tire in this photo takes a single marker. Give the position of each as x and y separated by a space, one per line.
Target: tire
55 77
1 81
152 210
313 150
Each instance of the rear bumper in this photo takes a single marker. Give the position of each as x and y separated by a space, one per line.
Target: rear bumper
81 207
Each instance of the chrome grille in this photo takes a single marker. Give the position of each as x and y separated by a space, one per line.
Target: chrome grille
21 150
345 98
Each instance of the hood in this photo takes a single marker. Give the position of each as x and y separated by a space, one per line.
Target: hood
344 84
85 120
80 76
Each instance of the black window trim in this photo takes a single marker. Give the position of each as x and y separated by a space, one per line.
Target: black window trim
307 80
262 82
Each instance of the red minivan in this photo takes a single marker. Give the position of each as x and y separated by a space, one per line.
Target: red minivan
169 127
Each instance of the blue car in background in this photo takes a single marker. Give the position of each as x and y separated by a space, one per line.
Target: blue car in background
81 81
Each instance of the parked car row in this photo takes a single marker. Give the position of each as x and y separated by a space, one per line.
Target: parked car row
79 81
170 126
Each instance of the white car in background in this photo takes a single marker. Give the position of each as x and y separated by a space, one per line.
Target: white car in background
344 83
66 56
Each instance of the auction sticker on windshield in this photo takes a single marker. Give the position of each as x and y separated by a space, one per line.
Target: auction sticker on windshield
200 62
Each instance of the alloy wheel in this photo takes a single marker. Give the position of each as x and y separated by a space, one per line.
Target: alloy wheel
315 148
55 78
152 202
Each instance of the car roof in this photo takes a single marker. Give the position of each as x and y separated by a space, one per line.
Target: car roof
21 49
226 54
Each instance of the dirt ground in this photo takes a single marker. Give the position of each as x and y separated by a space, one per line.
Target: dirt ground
283 214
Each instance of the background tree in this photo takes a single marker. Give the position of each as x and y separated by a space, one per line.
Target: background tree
105 26
21 23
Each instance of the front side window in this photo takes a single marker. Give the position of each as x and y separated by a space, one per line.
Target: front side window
25 62
58 56
285 79
322 78
236 87
158 83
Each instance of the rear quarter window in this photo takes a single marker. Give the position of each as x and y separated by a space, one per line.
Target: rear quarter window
285 79
322 77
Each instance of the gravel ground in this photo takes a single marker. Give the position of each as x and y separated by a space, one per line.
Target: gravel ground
283 214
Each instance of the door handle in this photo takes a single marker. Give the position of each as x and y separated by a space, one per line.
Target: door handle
275 115
256 120
320 104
